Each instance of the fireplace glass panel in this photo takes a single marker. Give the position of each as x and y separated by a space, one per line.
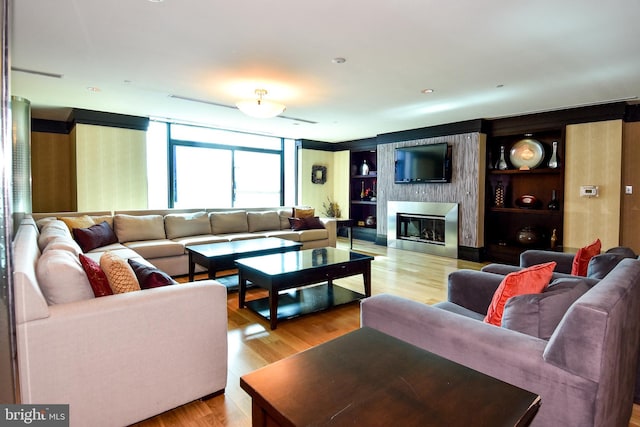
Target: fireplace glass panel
421 228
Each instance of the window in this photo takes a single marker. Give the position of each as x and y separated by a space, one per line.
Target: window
198 167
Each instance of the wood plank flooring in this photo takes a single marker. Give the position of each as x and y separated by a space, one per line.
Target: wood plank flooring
253 345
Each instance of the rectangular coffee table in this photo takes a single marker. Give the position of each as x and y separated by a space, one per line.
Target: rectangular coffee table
289 270
221 256
367 378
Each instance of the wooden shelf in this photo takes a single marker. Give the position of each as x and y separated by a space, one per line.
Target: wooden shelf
364 176
363 202
525 172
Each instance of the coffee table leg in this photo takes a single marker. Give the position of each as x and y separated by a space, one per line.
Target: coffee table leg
242 288
366 275
273 308
192 267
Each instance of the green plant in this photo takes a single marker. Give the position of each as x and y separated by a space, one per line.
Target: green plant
332 210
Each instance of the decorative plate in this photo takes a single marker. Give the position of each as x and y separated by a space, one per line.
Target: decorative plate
528 201
526 154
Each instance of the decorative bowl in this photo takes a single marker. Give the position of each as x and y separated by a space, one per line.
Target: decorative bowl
527 201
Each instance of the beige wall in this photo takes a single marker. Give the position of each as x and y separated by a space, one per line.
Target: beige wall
111 168
337 186
593 157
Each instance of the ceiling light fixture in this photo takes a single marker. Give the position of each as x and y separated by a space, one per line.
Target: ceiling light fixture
259 108
427 91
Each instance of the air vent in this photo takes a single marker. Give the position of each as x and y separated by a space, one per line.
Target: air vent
37 73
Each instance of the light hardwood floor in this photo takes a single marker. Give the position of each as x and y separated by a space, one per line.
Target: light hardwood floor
253 345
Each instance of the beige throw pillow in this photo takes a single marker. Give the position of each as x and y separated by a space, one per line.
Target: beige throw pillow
119 273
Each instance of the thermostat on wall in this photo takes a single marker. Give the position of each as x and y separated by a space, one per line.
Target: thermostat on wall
588 191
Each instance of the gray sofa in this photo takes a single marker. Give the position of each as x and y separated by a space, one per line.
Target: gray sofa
160 236
585 372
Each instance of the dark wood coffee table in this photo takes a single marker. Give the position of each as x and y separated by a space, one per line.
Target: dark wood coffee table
367 378
283 271
222 256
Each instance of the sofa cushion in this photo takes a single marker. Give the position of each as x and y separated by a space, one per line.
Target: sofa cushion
228 222
538 315
285 234
81 221
458 309
62 278
526 281
200 240
263 221
191 224
600 265
119 273
284 215
149 277
309 235
96 236
97 279
53 230
156 248
583 256
130 228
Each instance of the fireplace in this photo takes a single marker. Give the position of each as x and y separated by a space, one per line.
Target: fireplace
427 227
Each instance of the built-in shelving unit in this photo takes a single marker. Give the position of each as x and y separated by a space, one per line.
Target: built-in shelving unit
505 222
363 191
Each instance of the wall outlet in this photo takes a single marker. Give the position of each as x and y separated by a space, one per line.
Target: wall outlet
628 189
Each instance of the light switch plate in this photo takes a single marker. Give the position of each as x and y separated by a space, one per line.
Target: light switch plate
628 189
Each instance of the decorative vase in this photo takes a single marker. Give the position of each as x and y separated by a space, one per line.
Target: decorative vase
502 163
554 203
553 161
554 239
499 196
364 170
527 236
362 194
370 220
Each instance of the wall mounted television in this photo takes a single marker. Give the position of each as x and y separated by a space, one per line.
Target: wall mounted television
423 164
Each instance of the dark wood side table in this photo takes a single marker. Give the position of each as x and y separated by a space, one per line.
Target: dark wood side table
348 224
368 378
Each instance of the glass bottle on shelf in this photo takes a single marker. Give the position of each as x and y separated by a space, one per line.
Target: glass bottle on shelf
364 170
499 196
362 191
502 163
554 203
554 239
553 161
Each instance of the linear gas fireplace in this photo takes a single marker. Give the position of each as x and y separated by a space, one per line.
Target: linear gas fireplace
427 227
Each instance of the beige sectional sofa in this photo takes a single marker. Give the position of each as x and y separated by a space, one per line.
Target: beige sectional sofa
160 236
115 359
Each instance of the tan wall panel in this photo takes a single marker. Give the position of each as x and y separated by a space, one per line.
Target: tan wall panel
111 168
53 172
630 211
593 157
315 195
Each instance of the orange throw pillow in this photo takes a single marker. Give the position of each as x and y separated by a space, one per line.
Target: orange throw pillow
531 280
582 258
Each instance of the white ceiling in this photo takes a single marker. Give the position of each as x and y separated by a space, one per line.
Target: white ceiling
544 55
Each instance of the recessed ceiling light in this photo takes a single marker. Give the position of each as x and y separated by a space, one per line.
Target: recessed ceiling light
156 1
93 89
427 91
499 86
339 60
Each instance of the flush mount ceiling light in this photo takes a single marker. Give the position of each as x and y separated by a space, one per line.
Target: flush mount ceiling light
260 108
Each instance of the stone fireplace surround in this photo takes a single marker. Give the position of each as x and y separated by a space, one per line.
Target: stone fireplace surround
404 215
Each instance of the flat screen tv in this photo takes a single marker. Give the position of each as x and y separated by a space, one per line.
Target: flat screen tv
423 164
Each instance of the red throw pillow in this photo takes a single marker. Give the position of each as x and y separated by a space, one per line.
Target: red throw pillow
582 258
97 278
95 236
149 277
531 280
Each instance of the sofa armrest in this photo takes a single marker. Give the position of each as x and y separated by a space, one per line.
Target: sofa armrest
510 356
142 352
331 224
473 289
531 257
503 269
